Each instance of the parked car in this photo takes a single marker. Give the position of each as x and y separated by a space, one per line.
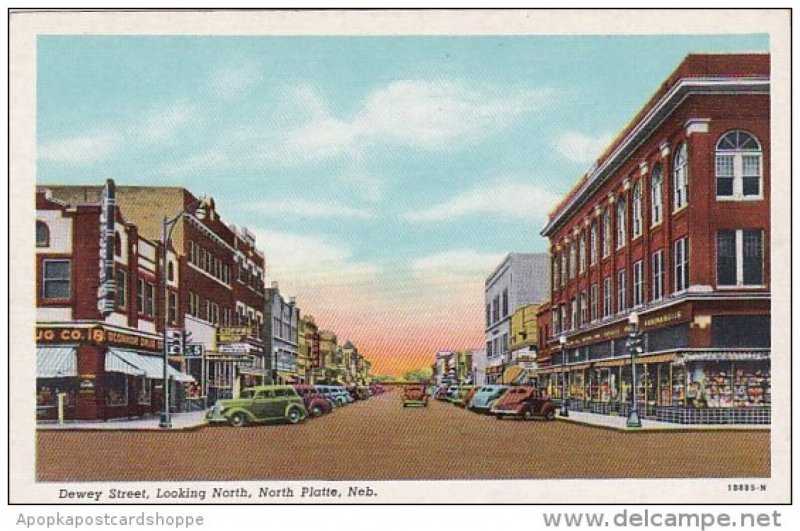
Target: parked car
315 402
464 395
341 392
415 395
330 395
524 402
485 397
259 404
377 389
441 393
452 392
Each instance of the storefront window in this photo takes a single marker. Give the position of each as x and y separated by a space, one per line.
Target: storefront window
48 389
116 389
729 384
144 391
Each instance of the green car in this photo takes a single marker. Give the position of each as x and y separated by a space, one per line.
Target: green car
259 404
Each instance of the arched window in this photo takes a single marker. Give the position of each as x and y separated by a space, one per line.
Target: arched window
621 223
606 232
738 166
637 209
655 195
680 178
117 244
42 234
171 271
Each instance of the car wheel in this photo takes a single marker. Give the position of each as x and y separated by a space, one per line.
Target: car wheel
499 417
316 411
527 414
238 420
551 414
294 415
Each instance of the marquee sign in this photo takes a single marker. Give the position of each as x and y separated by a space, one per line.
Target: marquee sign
106 288
97 335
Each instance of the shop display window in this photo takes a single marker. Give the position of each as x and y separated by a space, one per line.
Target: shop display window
116 389
48 389
144 391
678 385
730 384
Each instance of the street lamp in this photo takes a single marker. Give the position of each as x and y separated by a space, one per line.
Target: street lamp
562 340
199 207
634 344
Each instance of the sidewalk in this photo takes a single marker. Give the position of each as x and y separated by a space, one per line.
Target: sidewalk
180 422
616 422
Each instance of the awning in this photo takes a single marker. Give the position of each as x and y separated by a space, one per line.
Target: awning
549 370
726 355
613 363
56 362
253 372
513 374
658 358
132 362
577 367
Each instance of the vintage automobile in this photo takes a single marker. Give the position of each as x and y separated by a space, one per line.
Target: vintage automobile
464 395
415 395
452 392
485 397
441 393
332 395
315 402
377 389
259 404
524 402
340 390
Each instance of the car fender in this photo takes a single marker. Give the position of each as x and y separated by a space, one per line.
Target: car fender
301 407
232 411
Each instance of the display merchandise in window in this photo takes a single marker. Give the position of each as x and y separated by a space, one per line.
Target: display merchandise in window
116 389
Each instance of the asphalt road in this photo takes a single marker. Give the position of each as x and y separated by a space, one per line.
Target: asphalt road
379 439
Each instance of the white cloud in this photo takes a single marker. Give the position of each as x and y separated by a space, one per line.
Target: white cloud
81 149
428 115
507 200
580 148
309 209
160 124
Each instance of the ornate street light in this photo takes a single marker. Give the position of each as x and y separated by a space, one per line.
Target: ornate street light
200 209
562 340
634 344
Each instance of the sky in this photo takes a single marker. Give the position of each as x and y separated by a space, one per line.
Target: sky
384 177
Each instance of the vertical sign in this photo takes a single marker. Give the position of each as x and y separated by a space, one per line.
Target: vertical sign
105 289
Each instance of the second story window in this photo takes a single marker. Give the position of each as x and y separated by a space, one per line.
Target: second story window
572 259
738 166
622 291
606 233
657 291
593 244
56 279
42 234
740 258
681 264
656 182
582 253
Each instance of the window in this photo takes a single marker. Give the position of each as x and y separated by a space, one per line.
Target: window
606 296
194 304
170 271
740 258
656 195
622 292
42 234
140 295
505 302
564 270
56 279
556 323
593 244
122 288
226 316
582 253
637 209
555 278
117 244
505 343
638 283
595 303
738 166
681 264
489 349
621 227
488 315
150 303
573 261
680 177
573 323
606 232
214 317
173 307
658 275
496 309
563 317
584 309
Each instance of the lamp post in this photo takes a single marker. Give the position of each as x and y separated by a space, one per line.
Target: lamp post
167 226
634 344
562 340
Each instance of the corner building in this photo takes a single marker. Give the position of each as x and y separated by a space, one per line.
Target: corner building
673 223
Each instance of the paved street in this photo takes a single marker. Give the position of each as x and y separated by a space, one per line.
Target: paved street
379 439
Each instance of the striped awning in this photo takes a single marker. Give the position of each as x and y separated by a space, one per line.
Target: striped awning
140 364
513 374
56 362
726 355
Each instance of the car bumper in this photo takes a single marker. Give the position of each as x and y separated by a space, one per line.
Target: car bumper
216 417
500 411
415 402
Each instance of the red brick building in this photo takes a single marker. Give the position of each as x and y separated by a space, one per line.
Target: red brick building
673 223
216 298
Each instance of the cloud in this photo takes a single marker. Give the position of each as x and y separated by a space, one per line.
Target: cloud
418 114
162 123
309 209
84 148
507 200
580 148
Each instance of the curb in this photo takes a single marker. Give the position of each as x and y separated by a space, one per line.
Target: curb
194 427
687 429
